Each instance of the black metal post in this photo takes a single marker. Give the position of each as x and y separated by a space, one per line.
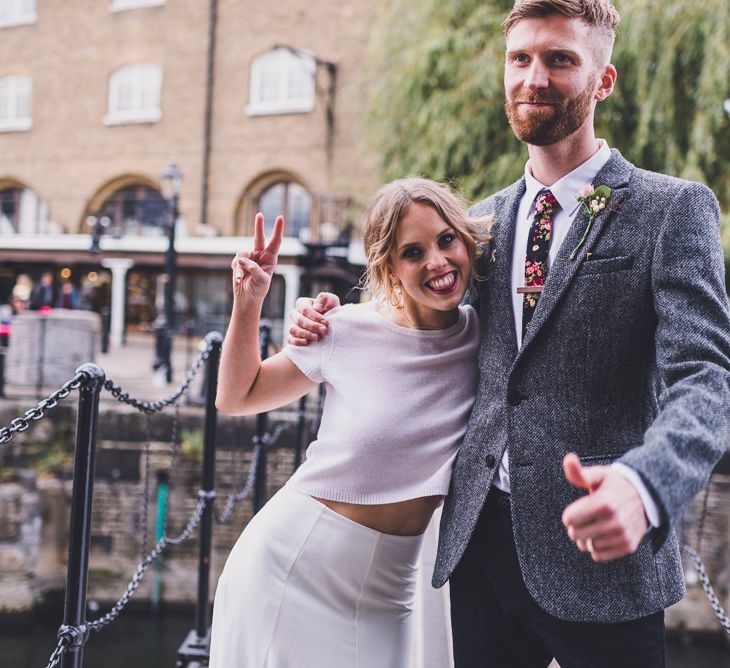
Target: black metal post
166 325
171 270
262 423
208 485
301 431
196 646
74 616
105 327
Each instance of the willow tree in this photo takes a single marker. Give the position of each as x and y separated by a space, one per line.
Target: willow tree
437 105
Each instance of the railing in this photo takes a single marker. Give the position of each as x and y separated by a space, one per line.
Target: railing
90 380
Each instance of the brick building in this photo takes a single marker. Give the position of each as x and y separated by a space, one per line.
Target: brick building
258 104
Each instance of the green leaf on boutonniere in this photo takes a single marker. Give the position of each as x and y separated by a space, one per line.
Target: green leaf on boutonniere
602 191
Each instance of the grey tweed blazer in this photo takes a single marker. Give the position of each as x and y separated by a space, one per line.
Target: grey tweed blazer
627 359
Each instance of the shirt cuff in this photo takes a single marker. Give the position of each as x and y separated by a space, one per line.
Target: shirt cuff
650 507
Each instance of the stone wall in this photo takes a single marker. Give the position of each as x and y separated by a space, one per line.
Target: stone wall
46 349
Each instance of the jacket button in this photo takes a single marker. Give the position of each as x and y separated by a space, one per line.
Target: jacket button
514 398
490 461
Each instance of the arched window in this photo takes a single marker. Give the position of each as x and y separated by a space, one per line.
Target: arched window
134 94
17 12
134 210
291 200
282 82
22 212
16 101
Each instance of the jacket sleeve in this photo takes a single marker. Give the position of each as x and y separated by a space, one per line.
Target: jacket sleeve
691 430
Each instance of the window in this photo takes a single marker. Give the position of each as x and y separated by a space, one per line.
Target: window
282 82
290 200
22 212
121 5
17 12
16 94
136 210
134 95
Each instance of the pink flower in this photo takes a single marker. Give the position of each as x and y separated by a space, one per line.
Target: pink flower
586 190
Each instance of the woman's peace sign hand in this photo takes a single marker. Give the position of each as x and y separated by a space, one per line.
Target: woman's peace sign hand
252 271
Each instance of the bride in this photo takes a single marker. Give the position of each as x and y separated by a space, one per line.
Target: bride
325 574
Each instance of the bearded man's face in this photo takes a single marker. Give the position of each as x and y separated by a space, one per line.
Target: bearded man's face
551 78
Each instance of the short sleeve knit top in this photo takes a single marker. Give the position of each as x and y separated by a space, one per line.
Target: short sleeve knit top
396 406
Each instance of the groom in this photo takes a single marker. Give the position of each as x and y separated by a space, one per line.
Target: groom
606 335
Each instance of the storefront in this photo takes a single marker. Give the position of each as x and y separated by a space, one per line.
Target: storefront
126 279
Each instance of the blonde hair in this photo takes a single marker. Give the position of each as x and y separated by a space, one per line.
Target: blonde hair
391 204
598 14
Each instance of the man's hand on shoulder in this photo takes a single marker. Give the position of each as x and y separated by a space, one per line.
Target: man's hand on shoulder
610 521
307 318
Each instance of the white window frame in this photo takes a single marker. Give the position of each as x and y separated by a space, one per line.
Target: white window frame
19 13
124 5
15 87
288 65
145 79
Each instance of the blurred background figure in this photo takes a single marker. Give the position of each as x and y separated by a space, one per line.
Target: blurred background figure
43 294
20 296
68 296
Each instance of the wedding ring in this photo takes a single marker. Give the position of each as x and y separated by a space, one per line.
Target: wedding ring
589 545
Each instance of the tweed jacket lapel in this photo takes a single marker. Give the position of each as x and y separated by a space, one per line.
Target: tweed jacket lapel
614 174
499 288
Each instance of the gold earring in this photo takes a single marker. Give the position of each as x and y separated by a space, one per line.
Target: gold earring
396 293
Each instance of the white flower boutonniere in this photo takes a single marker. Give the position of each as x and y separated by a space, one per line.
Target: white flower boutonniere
593 201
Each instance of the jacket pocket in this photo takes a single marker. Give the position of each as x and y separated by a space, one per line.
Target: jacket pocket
605 265
600 458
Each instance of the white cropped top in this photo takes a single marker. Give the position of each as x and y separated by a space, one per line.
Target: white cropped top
396 406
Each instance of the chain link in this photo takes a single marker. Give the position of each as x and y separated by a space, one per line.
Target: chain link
63 642
235 497
156 406
23 423
143 565
707 586
267 440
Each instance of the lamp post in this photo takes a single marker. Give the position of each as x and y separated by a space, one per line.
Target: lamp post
171 179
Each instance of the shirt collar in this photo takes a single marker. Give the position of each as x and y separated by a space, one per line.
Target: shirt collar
566 189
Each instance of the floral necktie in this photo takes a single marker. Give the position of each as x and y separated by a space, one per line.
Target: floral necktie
536 262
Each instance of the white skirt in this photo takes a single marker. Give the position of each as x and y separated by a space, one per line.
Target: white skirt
305 587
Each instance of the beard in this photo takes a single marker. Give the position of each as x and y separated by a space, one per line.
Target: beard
545 127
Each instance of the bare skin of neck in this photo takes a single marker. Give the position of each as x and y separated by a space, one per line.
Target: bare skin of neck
549 164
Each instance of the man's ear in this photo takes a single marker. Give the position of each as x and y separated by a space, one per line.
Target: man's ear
607 81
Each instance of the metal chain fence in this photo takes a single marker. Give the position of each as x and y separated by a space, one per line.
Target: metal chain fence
71 635
707 586
23 423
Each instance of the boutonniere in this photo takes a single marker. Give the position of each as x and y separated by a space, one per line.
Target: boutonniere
593 203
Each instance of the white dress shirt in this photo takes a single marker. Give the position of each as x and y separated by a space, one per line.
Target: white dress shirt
565 191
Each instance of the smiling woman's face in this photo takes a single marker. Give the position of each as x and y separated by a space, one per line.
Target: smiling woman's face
431 263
